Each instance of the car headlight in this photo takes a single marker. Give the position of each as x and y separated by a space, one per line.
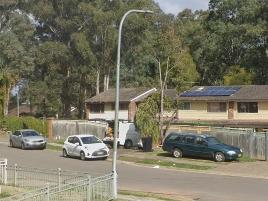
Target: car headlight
241 150
231 152
26 140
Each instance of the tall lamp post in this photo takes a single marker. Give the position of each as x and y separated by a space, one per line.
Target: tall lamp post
117 96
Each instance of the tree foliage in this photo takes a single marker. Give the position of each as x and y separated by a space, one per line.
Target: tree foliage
62 52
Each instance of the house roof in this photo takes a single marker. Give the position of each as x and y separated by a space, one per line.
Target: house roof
243 93
126 95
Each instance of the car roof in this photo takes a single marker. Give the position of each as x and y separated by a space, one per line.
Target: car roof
22 130
191 134
81 135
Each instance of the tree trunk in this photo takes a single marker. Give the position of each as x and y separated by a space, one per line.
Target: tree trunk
6 99
81 99
104 82
98 82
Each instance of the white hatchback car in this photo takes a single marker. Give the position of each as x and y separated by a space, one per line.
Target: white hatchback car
85 147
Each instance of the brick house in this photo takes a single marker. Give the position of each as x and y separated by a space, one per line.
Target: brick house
103 105
246 104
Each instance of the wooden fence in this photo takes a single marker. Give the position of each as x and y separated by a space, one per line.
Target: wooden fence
253 144
60 129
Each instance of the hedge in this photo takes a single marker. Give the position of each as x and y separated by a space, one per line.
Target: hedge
16 123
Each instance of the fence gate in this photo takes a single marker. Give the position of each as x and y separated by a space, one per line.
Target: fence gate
3 171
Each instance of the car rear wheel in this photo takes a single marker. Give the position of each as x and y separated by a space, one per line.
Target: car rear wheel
219 157
177 153
128 144
64 153
11 143
82 156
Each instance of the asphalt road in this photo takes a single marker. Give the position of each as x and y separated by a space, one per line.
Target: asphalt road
200 186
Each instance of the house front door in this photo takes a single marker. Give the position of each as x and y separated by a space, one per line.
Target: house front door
231 110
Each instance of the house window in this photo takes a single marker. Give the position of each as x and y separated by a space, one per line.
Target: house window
216 107
247 107
185 106
122 106
97 108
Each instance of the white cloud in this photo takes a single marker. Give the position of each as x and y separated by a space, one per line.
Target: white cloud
175 6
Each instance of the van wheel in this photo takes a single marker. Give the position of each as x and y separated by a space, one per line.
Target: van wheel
128 144
219 157
177 153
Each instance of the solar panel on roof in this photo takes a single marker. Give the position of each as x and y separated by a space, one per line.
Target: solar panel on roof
212 91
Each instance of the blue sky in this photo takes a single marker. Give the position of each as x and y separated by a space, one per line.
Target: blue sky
175 6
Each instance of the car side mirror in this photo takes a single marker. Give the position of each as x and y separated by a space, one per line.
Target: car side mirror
77 144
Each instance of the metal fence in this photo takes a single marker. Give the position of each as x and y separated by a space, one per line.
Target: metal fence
32 178
89 189
3 171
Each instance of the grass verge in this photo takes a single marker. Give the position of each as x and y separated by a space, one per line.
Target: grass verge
168 164
147 195
54 147
245 159
4 194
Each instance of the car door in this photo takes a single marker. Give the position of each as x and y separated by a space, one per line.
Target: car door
188 145
16 138
77 147
200 147
69 145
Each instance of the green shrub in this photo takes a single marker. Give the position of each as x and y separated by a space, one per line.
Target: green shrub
16 123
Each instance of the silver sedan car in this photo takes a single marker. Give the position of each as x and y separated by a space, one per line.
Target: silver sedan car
27 139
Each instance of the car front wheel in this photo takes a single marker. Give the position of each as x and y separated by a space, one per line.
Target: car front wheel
177 153
64 153
82 156
219 157
22 146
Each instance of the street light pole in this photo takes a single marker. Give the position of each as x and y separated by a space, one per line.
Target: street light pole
117 97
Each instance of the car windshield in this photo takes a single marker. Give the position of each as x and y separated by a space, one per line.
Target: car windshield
213 140
90 140
29 133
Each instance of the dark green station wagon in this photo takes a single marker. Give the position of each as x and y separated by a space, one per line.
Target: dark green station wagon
179 145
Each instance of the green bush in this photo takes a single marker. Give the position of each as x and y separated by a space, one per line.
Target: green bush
16 123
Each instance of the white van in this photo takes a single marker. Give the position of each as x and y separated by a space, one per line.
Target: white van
128 135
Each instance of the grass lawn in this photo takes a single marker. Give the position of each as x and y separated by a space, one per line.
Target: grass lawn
54 147
163 163
144 196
